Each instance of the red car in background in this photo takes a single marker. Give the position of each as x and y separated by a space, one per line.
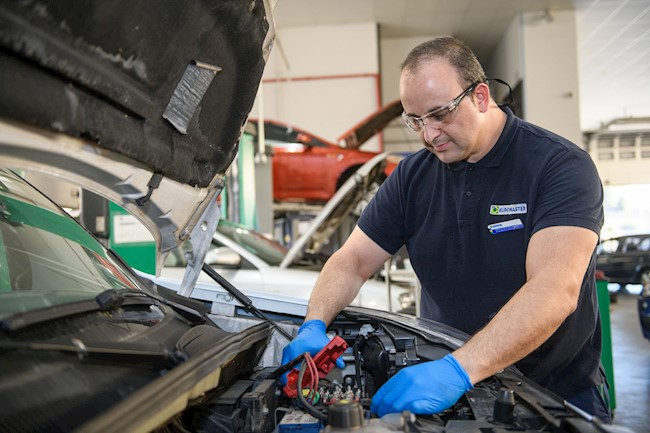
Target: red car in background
307 168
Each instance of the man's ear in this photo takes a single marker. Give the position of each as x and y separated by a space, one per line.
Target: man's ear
482 95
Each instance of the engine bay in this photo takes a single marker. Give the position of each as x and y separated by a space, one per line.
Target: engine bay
338 400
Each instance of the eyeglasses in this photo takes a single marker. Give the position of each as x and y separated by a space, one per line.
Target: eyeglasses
440 116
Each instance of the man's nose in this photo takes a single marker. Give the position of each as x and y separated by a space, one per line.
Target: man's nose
430 132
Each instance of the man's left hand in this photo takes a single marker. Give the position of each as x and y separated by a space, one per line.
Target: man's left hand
426 388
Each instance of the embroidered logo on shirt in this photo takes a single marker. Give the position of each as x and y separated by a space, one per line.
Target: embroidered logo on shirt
508 209
505 226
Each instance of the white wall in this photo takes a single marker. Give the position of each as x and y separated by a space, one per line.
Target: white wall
507 61
322 79
325 79
325 50
540 50
543 53
393 52
550 68
397 137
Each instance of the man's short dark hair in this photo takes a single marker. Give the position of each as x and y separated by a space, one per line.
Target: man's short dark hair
455 51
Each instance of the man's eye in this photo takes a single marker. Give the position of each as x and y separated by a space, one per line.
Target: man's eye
440 116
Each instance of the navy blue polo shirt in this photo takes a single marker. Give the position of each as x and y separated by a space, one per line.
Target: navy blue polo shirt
467 226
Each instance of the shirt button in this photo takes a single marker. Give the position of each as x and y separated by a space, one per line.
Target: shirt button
468 193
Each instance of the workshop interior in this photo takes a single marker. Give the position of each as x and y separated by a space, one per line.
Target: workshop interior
174 176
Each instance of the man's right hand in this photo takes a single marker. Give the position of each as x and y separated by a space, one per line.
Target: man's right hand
311 338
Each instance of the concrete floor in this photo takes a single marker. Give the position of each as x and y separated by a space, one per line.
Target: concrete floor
631 354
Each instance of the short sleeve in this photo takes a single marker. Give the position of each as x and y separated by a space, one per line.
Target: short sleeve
570 193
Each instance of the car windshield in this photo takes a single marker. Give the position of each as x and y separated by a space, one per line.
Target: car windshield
46 258
266 249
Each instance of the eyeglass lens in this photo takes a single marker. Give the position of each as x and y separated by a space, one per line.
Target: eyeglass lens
439 117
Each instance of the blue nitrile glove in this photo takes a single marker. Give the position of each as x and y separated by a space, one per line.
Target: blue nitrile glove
311 338
426 388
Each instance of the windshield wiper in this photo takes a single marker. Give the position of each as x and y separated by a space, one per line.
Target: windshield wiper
105 301
188 308
139 352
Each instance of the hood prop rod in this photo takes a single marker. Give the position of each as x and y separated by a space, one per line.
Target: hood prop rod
243 299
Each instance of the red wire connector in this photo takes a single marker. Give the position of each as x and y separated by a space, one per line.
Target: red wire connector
325 361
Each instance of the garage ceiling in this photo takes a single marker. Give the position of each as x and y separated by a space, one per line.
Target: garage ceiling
613 38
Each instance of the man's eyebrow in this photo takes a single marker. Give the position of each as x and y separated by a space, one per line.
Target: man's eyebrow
430 110
438 107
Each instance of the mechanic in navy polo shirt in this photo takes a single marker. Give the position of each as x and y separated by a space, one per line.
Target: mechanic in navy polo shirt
500 219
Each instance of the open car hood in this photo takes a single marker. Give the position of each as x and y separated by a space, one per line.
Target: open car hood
355 193
371 125
349 200
140 102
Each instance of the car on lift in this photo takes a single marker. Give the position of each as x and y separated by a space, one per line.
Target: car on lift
625 259
99 97
308 168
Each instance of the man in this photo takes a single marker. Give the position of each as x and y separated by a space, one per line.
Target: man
500 219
